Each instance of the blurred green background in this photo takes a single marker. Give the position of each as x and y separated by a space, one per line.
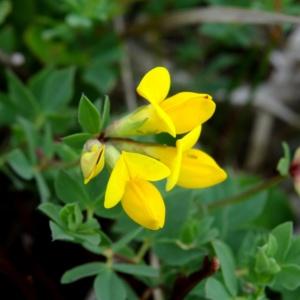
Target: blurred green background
244 53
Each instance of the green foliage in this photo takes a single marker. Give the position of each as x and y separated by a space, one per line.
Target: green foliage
73 46
5 9
138 270
108 286
89 269
105 112
53 88
20 164
88 116
77 140
284 162
227 263
215 290
69 224
69 189
21 98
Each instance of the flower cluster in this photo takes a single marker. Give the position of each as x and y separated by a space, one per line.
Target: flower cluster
136 165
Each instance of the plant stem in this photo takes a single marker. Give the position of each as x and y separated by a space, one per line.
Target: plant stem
142 251
245 195
184 284
90 212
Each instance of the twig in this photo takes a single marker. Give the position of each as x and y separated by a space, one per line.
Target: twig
126 74
245 195
213 14
154 262
184 284
142 251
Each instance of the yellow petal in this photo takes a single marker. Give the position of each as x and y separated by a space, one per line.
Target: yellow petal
144 167
165 154
153 120
155 85
144 204
171 157
190 139
187 110
175 169
183 144
199 170
116 184
92 162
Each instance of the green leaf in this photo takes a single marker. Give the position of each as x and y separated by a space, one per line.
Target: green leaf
22 99
131 293
126 239
20 164
5 9
105 113
101 76
69 190
77 140
42 186
66 153
283 165
54 88
288 278
173 254
271 246
265 266
138 270
51 210
31 138
93 238
88 116
48 144
177 200
37 82
227 263
82 271
7 110
283 235
108 286
71 216
58 233
293 255
215 290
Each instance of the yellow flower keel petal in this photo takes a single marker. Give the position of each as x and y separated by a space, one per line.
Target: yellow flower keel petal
144 204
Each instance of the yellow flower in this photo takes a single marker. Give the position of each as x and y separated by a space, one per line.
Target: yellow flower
190 168
129 183
175 115
92 159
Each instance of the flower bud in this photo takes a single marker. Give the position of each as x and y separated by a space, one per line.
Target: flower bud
295 170
92 159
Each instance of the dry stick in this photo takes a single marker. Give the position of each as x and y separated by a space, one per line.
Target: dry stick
213 14
126 74
154 262
184 284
